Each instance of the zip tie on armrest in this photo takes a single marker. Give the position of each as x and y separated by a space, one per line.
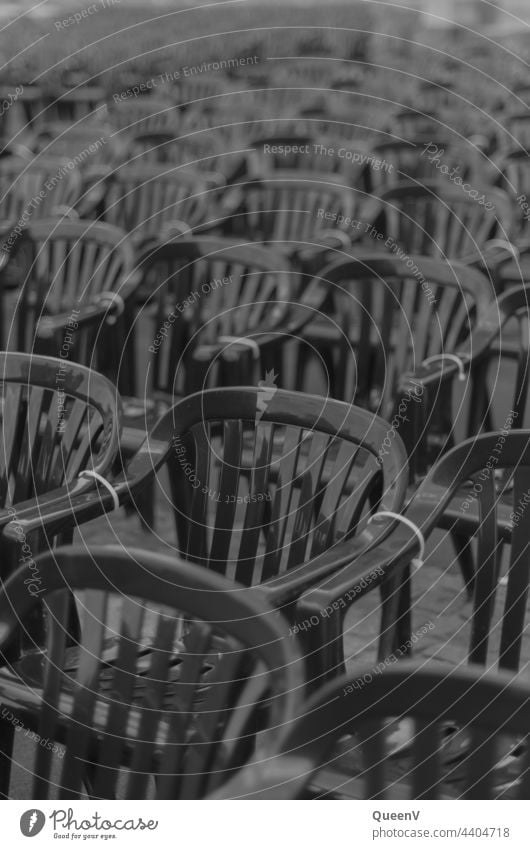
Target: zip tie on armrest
506 244
242 340
113 299
88 473
456 359
388 514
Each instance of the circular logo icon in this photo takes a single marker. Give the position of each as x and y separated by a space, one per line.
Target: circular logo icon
32 822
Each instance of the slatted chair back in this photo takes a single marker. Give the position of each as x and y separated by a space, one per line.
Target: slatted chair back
309 153
176 672
289 207
77 261
417 161
72 265
211 289
157 146
196 92
33 101
516 180
392 316
88 142
144 115
441 220
517 133
37 189
266 481
58 419
415 124
143 199
487 709
76 104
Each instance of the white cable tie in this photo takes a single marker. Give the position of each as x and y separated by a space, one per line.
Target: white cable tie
506 244
113 299
88 473
242 340
388 514
456 359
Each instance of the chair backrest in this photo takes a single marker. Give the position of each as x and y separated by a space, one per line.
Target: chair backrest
309 153
208 288
412 123
444 220
83 101
74 262
37 189
290 206
416 160
518 129
490 475
58 419
176 672
394 313
516 181
142 199
144 115
267 480
485 708
88 143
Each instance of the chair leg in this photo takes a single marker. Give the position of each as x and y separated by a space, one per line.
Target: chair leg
466 560
396 615
323 647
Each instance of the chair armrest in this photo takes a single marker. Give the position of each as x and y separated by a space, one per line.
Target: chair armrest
94 189
74 503
395 551
493 254
49 325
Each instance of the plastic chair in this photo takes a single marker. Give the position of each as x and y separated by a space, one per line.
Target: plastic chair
443 221
398 333
287 210
147 200
77 296
461 720
275 488
37 189
176 672
59 419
